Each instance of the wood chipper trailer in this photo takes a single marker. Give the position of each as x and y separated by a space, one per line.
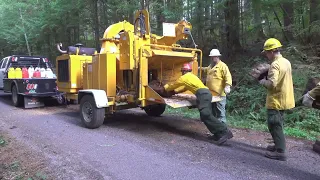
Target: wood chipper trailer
118 76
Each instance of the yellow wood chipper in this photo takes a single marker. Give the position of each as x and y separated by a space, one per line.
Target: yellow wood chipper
117 77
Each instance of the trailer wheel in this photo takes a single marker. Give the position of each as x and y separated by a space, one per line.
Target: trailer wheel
91 116
61 99
17 99
155 110
316 148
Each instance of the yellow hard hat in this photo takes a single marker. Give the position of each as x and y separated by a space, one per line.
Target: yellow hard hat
271 43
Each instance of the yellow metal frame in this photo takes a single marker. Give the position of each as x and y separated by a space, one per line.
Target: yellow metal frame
75 64
133 52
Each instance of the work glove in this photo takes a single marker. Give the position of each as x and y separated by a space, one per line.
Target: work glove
259 71
307 100
168 93
227 89
263 81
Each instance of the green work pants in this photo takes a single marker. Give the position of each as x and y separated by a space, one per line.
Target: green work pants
275 126
215 126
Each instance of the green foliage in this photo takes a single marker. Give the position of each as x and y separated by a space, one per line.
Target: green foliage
2 141
246 102
41 176
16 171
72 21
184 112
14 166
46 23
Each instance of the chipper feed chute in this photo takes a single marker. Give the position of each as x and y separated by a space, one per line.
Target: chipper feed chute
166 67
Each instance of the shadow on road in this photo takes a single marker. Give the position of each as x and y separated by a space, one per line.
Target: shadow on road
155 128
6 99
140 123
143 124
48 102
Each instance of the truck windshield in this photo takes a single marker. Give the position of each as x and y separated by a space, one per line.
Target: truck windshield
27 62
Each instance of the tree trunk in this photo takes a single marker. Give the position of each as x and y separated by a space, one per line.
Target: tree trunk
200 22
288 15
96 24
178 9
105 13
256 8
280 24
207 16
314 10
131 11
188 10
212 16
232 26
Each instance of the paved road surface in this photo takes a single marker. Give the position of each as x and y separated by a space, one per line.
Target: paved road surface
131 145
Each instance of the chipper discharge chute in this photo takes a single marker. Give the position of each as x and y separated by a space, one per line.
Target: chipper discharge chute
130 58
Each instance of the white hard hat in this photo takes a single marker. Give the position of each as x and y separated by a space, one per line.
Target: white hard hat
215 52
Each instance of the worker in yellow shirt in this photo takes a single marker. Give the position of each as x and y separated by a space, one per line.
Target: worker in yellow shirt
309 99
189 81
219 81
280 96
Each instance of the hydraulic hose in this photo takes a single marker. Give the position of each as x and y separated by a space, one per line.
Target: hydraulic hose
141 20
142 24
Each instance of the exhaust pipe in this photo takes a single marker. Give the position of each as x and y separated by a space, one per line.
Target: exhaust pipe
59 46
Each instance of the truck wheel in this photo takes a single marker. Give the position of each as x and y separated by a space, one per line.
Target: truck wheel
155 110
60 99
316 148
17 99
91 116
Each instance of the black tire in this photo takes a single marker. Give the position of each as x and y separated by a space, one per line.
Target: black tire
61 100
17 99
155 110
316 148
91 116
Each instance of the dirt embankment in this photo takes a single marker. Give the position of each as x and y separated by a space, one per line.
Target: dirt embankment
18 161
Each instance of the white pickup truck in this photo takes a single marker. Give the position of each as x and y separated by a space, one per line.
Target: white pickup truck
29 92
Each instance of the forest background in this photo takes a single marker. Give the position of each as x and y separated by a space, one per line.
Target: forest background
237 27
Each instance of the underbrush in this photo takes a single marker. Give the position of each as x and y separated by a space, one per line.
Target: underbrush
12 165
246 102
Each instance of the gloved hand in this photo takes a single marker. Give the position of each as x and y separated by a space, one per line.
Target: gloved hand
227 89
307 100
168 93
263 81
158 89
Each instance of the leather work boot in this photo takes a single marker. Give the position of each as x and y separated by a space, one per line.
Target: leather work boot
271 148
213 137
276 155
222 139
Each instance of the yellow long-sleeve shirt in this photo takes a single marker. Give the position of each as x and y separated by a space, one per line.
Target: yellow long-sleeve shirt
280 89
218 77
186 82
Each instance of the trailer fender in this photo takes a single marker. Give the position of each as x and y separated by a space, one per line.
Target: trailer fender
100 97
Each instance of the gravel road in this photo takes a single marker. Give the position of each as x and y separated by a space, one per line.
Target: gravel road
130 145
